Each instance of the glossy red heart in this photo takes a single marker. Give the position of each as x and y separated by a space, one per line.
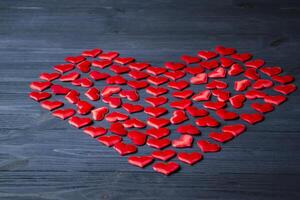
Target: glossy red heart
140 161
158 133
208 147
183 141
189 158
166 168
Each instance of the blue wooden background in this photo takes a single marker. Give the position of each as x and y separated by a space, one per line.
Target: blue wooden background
42 158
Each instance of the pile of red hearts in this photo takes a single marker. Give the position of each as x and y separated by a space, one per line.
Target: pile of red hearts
125 104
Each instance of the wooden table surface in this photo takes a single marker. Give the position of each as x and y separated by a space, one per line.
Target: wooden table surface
44 158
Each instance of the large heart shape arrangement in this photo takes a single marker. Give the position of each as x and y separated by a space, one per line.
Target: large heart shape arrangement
125 104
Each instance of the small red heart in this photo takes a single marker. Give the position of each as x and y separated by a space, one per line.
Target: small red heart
208 147
101 63
157 80
217 73
131 95
189 158
255 94
207 54
194 70
184 94
226 115
92 94
157 122
94 131
235 70
234 129
107 91
276 99
84 66
156 70
72 97
207 121
226 62
155 111
158 143
156 101
62 68
181 104
40 86
271 71
221 137
137 137
119 69
283 79
138 75
137 84
178 117
119 80
158 133
74 59
183 141
262 107
285 89
99 113
109 55
140 161
242 57
237 101
215 84
134 123
109 140
188 129
125 149
262 84
252 118
221 95
132 108
202 96
174 75
241 85
39 96
214 105
165 168
174 66
95 75
255 63
113 102
124 60
84 107
58 89
190 59
251 73
64 113
91 53
83 82
49 76
118 129
196 112
69 77
178 85
138 65
156 91
51 105
210 64
79 122
163 154
114 116
199 79
225 51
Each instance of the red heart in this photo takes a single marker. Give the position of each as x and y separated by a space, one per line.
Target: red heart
84 107
109 140
158 133
221 95
262 107
189 158
156 70
262 83
58 89
226 115
156 91
79 122
118 129
69 77
202 96
124 60
207 54
95 75
119 69
184 94
157 80
214 105
64 113
237 101
207 147
190 59
138 74
166 168
137 84
194 70
195 112
199 79
226 62
113 102
140 161
119 80
225 51
49 76
174 65
221 137
84 66
235 70
207 121
178 117
51 105
109 55
93 94
255 94
285 89
114 116
251 73
241 85
158 122
178 85
132 108
271 71
242 57
101 63
252 118
131 95
125 149
235 129
215 84
155 111
62 68
255 63
94 131
40 86
163 154
156 101
188 129
91 53
276 99
174 75
133 123
137 137
99 113
74 59
217 73
158 143
138 65
210 64
183 141
39 96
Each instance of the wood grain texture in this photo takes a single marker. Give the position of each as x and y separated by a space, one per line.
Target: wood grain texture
43 158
